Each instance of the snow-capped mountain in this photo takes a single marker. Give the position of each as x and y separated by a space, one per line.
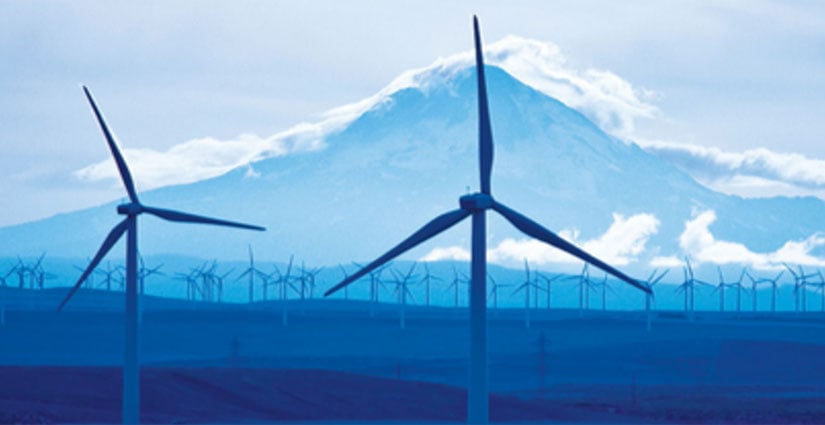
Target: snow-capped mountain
408 154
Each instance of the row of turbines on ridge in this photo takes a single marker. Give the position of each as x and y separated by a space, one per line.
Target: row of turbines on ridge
206 283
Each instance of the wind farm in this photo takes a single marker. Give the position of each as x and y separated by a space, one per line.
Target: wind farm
495 319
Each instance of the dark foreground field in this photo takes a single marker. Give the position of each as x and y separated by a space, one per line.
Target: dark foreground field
339 361
221 395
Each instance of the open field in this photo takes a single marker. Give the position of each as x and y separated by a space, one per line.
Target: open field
334 361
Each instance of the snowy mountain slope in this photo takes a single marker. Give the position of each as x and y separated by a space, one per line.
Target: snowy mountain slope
408 158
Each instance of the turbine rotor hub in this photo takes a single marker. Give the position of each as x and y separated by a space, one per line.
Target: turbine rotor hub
476 202
132 208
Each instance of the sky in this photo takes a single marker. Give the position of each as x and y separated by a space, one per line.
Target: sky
730 91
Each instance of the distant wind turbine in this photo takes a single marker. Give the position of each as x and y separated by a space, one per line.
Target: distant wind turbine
755 282
688 288
375 285
585 285
549 282
526 286
651 282
799 287
455 285
494 290
133 209
427 279
476 205
252 271
402 290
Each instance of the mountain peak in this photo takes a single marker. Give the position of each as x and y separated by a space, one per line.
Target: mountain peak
605 98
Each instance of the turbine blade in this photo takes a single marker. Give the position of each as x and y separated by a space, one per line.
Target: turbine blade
125 175
191 218
43 255
485 131
107 245
535 230
655 281
434 227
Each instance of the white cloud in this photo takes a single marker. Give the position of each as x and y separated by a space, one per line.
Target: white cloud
753 173
200 159
666 262
620 245
454 253
610 101
700 244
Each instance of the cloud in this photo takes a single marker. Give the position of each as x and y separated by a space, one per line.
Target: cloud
666 262
607 99
700 244
200 159
610 101
752 173
620 245
454 253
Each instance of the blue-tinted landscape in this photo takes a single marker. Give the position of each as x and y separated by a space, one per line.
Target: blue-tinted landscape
488 238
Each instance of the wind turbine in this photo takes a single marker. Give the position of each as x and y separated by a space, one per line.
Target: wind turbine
773 283
455 284
494 290
526 286
721 289
36 273
108 273
585 285
800 280
375 285
739 288
724 284
3 300
285 280
476 205
549 281
144 272
133 209
651 282
251 271
688 288
191 284
311 275
821 286
605 287
219 278
427 278
3 280
346 294
402 290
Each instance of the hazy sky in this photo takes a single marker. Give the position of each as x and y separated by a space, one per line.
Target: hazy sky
726 77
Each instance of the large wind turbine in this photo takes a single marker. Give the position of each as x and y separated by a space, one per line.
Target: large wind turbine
132 209
476 205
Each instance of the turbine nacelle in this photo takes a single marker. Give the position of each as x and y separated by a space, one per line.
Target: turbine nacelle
131 208
475 202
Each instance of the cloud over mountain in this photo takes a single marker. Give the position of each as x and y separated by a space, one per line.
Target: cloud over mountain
607 99
755 172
